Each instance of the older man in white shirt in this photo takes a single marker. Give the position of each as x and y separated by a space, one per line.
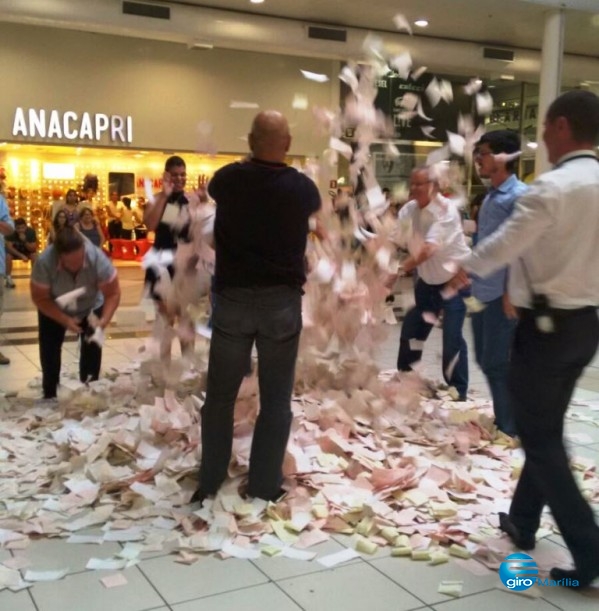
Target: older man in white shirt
552 244
434 239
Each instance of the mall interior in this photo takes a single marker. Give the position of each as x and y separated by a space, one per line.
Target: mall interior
112 88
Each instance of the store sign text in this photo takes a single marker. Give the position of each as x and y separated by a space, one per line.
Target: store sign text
69 125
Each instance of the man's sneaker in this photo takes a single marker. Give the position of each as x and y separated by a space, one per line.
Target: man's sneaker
10 284
4 360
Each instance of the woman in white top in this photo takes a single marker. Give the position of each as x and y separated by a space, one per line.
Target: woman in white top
128 219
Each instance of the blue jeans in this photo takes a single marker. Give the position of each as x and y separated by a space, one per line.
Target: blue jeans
428 299
493 334
272 318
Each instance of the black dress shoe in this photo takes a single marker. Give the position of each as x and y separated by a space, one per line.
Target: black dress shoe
574 579
523 541
199 496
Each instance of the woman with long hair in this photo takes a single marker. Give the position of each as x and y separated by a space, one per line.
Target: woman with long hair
89 227
60 220
71 207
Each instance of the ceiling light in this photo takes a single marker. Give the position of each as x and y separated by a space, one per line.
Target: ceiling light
421 23
256 1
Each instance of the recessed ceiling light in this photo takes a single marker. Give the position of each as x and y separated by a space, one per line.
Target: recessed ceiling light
256 1
421 23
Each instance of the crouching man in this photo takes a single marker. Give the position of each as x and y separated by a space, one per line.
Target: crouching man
71 280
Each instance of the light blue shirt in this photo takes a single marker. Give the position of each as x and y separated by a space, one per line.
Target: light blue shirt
97 269
4 216
497 207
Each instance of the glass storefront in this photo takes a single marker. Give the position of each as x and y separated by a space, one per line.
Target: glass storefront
34 176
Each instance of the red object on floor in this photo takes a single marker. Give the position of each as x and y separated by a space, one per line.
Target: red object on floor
142 247
127 250
117 248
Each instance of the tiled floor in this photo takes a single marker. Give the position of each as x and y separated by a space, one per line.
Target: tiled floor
376 583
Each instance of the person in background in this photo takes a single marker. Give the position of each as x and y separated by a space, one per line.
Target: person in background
21 244
60 220
550 242
141 231
6 227
69 263
128 219
114 208
89 191
90 227
102 219
493 326
263 208
71 207
436 240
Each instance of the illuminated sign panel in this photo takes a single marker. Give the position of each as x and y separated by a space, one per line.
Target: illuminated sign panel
69 125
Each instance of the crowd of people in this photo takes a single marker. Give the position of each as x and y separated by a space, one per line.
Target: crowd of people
532 275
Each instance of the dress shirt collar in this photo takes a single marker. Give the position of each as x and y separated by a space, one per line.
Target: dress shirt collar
507 185
580 152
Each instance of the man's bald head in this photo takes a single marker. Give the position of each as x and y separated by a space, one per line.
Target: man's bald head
269 139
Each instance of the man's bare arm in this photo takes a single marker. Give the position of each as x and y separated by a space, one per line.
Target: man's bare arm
112 297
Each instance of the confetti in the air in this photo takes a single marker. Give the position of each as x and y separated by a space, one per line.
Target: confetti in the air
315 76
473 86
484 103
402 24
402 64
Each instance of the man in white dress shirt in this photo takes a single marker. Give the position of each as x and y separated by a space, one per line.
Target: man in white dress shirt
435 238
552 245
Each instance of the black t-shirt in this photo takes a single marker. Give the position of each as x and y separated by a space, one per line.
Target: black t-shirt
166 236
261 223
20 245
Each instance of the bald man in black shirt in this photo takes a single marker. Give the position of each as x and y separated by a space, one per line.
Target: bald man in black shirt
263 207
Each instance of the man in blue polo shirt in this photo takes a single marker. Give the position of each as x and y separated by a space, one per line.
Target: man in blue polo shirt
70 280
494 325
